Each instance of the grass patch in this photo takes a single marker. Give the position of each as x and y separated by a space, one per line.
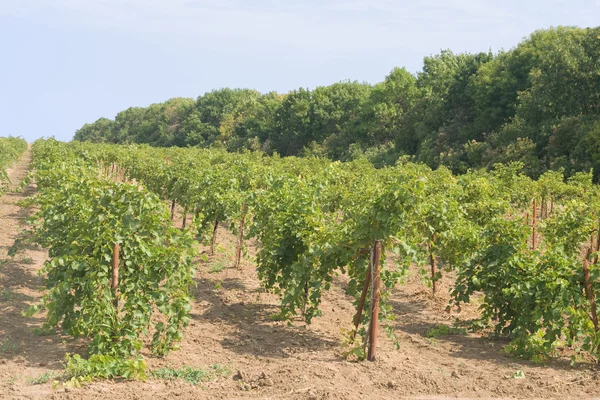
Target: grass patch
44 331
216 267
443 330
27 261
102 366
40 379
192 375
8 346
18 246
7 295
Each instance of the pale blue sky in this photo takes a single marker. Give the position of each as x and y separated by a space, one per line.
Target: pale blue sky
67 62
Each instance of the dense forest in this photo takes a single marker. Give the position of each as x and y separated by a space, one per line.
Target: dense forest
538 103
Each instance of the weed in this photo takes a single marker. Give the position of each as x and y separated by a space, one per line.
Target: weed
192 375
8 346
6 295
40 379
479 325
217 267
17 247
518 375
26 202
44 331
443 330
351 344
280 316
102 366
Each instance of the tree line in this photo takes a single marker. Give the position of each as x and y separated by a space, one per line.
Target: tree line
537 103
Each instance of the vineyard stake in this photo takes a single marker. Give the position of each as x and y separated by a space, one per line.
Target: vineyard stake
184 218
597 245
543 208
433 263
115 274
533 226
214 237
305 302
376 282
589 290
173 210
240 245
367 337
363 297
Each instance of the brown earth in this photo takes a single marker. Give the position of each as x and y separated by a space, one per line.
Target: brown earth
231 327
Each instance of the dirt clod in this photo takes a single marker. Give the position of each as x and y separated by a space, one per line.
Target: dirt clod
241 376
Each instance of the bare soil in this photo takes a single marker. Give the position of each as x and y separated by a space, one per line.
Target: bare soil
232 327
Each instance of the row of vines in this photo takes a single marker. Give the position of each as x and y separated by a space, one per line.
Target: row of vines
529 249
117 272
11 149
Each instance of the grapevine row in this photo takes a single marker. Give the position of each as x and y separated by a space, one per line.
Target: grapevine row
117 270
11 149
535 267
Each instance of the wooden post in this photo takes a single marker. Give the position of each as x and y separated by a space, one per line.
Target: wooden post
597 245
375 290
185 210
115 274
542 208
363 297
433 263
240 244
533 225
173 210
589 290
305 300
527 218
214 237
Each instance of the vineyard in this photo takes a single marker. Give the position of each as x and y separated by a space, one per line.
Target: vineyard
128 227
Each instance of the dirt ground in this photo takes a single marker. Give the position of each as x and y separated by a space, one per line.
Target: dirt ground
231 326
